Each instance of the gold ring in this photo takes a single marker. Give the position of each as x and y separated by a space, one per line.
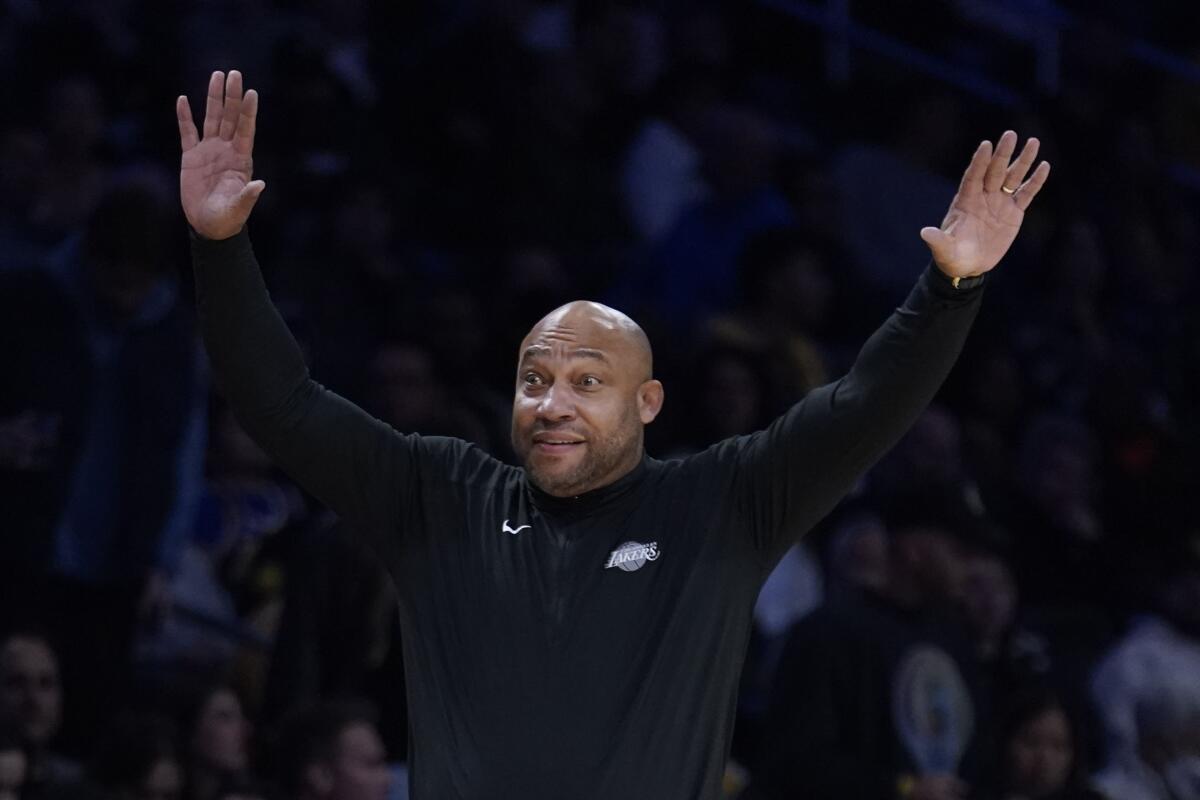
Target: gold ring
1007 190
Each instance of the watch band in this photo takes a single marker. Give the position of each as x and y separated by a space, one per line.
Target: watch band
966 283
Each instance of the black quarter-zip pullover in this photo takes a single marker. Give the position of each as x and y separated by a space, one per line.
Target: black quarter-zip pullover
584 647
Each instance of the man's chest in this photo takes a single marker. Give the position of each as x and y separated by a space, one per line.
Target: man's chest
577 579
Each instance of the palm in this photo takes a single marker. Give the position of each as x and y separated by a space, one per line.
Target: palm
984 215
215 185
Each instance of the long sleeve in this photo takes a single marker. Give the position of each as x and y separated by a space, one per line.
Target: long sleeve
791 474
357 465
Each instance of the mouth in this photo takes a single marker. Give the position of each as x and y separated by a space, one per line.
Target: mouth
555 444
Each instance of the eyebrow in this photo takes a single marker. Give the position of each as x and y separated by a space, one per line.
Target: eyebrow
538 351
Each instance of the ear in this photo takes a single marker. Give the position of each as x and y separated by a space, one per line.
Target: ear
649 400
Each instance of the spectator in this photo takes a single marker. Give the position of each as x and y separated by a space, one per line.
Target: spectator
406 392
31 706
1166 762
43 417
137 759
333 752
1062 338
1039 757
124 372
993 408
896 187
1059 537
1150 661
75 119
661 173
216 741
858 552
695 272
1012 654
222 590
787 305
930 454
878 695
791 592
733 396
338 632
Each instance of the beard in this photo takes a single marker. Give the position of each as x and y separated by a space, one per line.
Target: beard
601 458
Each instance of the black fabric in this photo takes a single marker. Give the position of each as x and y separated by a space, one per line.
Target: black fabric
832 728
533 670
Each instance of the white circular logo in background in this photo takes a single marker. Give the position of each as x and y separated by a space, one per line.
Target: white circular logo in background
932 709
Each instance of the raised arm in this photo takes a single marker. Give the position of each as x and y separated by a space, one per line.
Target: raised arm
354 463
793 473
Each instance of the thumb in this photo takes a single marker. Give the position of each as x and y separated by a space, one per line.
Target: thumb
940 242
249 196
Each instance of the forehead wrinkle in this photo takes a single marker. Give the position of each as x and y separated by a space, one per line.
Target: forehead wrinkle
535 351
585 322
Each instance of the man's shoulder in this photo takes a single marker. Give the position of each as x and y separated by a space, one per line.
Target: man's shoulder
464 462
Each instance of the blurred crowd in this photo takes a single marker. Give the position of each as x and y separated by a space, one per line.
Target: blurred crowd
1007 606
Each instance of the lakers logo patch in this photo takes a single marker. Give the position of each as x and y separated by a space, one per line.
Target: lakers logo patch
632 555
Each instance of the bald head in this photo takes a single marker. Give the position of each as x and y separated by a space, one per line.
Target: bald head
586 322
585 390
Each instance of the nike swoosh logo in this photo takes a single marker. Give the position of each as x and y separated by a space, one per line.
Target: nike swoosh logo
513 531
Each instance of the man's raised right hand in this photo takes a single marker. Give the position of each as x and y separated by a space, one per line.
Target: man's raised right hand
214 174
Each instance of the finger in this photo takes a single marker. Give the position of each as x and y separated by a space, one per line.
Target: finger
1015 174
1029 189
243 139
248 197
941 244
188 138
972 179
214 104
993 179
233 104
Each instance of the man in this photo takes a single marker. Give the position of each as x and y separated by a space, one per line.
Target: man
31 707
1145 688
1164 763
878 695
333 752
575 628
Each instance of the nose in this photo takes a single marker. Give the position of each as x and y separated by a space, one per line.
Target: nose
557 403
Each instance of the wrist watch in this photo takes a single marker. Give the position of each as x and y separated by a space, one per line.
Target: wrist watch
966 283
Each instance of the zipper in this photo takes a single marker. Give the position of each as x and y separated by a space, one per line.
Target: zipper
558 595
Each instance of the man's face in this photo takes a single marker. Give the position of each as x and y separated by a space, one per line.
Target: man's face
990 594
30 693
360 770
937 563
1040 755
219 740
582 397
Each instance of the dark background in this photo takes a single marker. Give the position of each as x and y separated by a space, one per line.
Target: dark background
747 179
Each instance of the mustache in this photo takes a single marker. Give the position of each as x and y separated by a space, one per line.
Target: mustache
559 430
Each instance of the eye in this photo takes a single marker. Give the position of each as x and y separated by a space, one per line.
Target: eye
589 381
532 379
